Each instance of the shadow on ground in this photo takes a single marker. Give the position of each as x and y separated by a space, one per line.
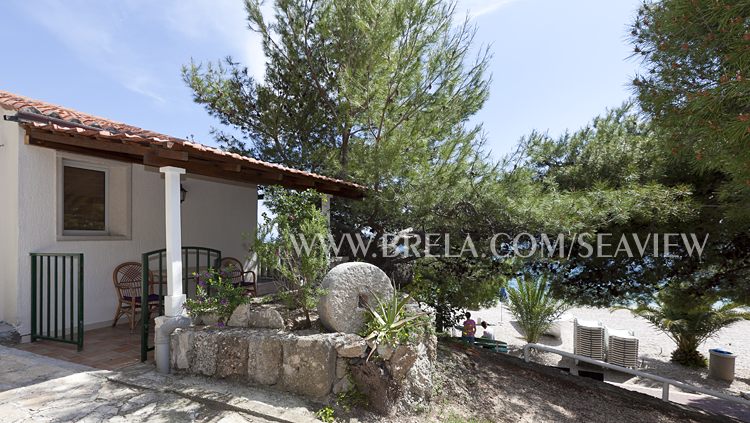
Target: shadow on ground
485 386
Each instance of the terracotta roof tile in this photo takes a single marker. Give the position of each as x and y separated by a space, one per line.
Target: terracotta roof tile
120 131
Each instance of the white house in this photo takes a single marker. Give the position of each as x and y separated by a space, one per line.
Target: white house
76 183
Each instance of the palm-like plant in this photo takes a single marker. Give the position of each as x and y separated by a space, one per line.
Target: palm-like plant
688 319
389 322
533 305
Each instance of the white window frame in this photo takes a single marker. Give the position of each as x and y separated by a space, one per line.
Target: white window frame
61 196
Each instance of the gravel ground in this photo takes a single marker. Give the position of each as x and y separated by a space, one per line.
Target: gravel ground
654 346
478 386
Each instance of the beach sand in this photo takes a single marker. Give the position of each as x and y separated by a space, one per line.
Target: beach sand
654 347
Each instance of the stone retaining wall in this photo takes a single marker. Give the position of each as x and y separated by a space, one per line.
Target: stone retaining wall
310 365
260 347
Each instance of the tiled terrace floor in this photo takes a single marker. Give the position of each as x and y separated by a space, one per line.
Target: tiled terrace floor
105 348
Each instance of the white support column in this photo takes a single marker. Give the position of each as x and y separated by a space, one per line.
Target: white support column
174 314
175 297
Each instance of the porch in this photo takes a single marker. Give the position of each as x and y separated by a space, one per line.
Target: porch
105 348
57 315
109 348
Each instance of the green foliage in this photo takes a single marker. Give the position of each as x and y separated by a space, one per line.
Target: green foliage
612 177
352 398
215 293
532 304
450 285
289 243
377 91
390 322
606 173
326 414
695 87
688 319
382 92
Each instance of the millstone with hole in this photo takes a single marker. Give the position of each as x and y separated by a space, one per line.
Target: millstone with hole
349 289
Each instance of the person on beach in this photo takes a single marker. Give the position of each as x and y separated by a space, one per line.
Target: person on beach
470 329
487 332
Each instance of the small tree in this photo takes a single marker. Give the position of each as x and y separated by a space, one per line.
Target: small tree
534 306
688 319
292 243
450 285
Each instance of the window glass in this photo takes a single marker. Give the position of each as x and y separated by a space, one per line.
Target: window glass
84 197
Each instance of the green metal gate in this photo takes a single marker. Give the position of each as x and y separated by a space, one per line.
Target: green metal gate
194 260
57 297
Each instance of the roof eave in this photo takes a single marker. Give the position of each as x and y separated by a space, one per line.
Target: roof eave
195 158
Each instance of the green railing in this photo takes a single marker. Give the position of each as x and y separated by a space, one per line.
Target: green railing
57 297
194 259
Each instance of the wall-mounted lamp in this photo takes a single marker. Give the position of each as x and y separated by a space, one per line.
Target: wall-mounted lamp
183 193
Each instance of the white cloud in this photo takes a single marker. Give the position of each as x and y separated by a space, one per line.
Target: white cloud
94 32
92 36
477 8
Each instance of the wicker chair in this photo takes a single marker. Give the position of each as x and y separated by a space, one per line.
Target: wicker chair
127 278
238 275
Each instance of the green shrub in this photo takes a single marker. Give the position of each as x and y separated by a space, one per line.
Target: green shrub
390 323
533 305
215 293
688 319
325 414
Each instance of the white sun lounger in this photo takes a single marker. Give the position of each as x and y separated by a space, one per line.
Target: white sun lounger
588 339
622 348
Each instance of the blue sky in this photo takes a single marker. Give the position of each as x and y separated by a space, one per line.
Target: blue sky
556 63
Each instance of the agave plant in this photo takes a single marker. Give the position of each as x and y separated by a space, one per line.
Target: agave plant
533 305
688 319
389 322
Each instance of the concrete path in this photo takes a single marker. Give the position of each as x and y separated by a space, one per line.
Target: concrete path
35 388
706 402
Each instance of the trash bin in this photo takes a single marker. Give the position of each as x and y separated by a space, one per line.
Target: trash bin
721 364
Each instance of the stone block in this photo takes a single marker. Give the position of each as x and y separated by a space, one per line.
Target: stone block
350 345
205 348
256 316
181 348
418 383
308 365
373 381
264 358
232 354
401 361
341 366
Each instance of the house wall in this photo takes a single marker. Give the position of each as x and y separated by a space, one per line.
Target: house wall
10 134
215 214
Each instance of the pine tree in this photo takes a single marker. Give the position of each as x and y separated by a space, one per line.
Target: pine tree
379 92
695 86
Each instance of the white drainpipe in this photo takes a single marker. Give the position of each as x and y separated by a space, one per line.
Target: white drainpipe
173 302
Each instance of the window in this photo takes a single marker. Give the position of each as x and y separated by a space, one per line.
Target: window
93 198
84 200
